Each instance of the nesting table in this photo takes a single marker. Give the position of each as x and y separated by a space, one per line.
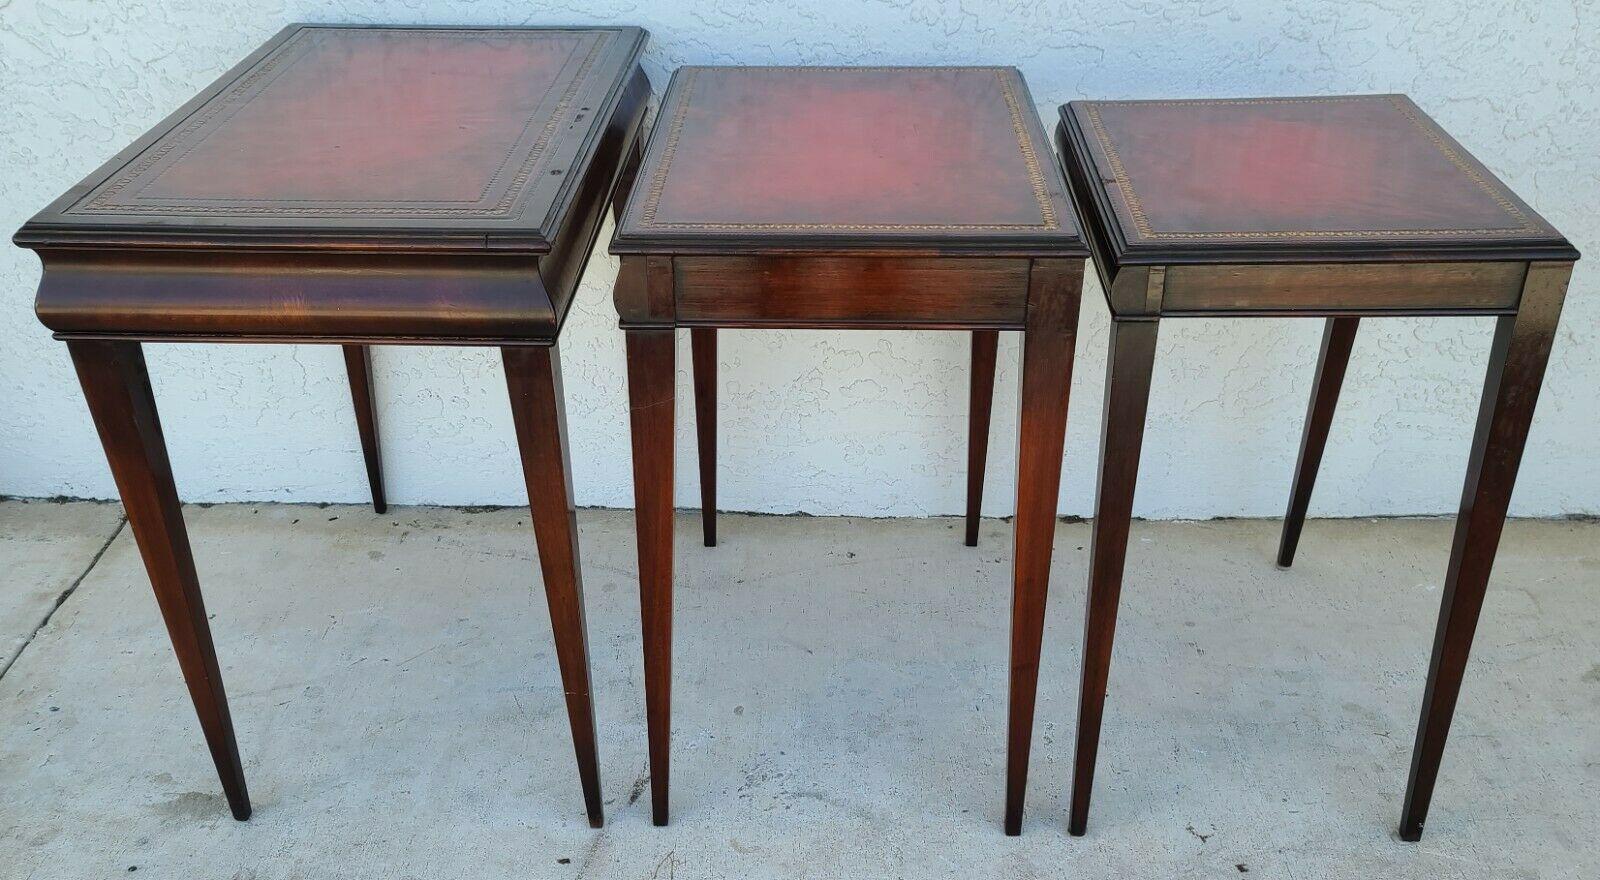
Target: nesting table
355 186
1337 207
881 198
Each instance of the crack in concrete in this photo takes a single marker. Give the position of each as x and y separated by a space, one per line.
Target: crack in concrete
65 594
638 786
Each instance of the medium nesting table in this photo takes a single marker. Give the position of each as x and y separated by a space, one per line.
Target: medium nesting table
434 186
1337 207
873 198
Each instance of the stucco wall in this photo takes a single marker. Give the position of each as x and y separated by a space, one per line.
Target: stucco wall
836 422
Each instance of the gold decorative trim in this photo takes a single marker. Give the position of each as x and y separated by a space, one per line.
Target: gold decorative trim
1141 221
1041 191
103 201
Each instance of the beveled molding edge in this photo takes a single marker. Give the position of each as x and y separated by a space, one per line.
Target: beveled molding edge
163 294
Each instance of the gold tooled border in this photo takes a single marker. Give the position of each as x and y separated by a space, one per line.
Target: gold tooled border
103 200
1030 157
1141 220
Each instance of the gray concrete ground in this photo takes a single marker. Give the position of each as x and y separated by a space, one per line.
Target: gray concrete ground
839 709
44 548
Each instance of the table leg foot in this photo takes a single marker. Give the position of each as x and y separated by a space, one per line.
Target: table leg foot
1338 336
980 396
651 401
117 387
1511 388
358 365
1129 364
533 378
703 343
1046 381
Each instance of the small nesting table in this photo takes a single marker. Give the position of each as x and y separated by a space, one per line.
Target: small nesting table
910 198
434 186
1338 207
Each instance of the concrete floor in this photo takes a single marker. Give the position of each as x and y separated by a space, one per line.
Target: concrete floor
839 709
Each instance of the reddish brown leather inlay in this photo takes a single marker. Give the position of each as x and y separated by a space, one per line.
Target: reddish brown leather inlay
338 122
846 149
1369 166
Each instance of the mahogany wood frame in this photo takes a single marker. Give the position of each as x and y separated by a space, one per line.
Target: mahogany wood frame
1042 303
1517 361
94 294
1524 295
869 231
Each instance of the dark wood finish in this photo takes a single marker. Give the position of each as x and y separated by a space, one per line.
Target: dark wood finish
561 269
455 228
421 293
1047 345
352 185
644 292
1343 207
626 178
1338 336
651 395
117 388
334 136
1313 179
870 198
1365 287
358 366
225 295
1510 389
980 402
1130 360
780 159
417 293
703 344
533 378
778 291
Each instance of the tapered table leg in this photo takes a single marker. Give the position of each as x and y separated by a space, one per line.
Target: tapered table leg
1338 336
1129 363
533 378
117 387
651 375
980 403
358 364
1047 344
703 343
1511 388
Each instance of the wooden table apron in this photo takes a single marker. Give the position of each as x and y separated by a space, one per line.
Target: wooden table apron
1040 297
1521 284
107 289
848 198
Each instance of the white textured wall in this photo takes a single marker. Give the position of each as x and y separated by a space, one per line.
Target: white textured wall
841 422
